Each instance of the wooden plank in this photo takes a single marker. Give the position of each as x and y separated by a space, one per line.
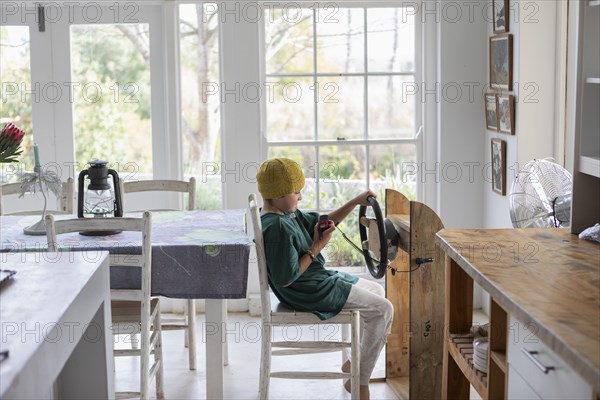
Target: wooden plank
402 225
398 293
470 374
498 333
426 304
496 382
546 276
455 384
399 386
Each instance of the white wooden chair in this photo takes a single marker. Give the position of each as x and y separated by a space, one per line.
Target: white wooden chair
277 314
187 322
65 202
133 311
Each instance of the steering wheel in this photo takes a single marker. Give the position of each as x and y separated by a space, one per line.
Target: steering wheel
370 242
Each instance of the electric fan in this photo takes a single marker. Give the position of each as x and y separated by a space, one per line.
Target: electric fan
541 196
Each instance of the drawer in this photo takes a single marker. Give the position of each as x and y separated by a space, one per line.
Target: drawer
518 389
528 356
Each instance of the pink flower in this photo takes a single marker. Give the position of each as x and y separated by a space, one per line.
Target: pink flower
10 141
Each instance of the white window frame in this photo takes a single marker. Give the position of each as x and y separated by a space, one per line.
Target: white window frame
50 63
416 140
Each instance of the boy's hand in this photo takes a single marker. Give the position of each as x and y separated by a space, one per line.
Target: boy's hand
321 238
361 199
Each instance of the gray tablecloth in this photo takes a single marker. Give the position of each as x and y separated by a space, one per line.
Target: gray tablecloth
195 254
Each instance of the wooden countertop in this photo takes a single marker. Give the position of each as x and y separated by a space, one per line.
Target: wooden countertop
547 276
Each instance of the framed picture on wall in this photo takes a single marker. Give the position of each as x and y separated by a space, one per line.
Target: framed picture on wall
501 8
501 61
506 113
499 166
491 111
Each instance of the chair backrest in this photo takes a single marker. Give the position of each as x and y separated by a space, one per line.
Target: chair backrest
164 185
123 258
65 201
261 260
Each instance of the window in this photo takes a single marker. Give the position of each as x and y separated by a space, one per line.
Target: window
337 79
200 110
15 82
110 71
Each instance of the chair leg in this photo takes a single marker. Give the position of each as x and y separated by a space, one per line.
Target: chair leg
158 357
355 363
225 340
265 362
144 363
345 338
191 332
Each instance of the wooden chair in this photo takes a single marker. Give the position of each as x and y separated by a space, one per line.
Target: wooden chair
187 322
277 314
133 310
65 202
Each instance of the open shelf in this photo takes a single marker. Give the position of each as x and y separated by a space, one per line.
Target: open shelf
460 347
459 370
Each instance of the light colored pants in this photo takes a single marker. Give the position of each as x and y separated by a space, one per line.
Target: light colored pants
376 314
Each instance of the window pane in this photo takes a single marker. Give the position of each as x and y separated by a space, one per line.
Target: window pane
391 107
340 253
305 156
110 67
15 103
340 40
289 40
341 108
393 167
290 109
342 174
391 39
200 101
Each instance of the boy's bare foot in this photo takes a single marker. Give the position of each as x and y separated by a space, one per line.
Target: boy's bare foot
346 367
364 390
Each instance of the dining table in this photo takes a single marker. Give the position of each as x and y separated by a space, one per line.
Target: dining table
196 254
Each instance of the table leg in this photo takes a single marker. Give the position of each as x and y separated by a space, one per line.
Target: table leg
191 333
215 310
225 339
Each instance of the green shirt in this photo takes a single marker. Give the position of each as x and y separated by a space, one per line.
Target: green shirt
319 290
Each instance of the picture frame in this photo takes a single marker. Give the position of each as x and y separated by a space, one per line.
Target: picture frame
501 21
491 111
499 166
501 58
506 113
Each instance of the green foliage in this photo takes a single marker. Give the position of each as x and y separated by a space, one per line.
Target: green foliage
112 99
208 194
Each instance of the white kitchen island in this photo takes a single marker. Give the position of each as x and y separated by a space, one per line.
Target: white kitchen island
55 325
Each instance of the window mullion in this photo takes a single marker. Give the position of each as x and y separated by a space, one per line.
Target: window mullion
365 99
316 111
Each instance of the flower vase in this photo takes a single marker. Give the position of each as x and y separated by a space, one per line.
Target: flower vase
39 228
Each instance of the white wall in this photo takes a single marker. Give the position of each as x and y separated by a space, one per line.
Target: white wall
461 76
537 60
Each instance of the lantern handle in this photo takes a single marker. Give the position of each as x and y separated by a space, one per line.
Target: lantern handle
117 189
80 181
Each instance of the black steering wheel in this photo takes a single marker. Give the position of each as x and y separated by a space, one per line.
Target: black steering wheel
378 271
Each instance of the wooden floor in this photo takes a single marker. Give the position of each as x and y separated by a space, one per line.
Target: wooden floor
241 375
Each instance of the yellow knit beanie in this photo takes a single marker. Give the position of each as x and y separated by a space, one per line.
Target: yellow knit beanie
278 177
